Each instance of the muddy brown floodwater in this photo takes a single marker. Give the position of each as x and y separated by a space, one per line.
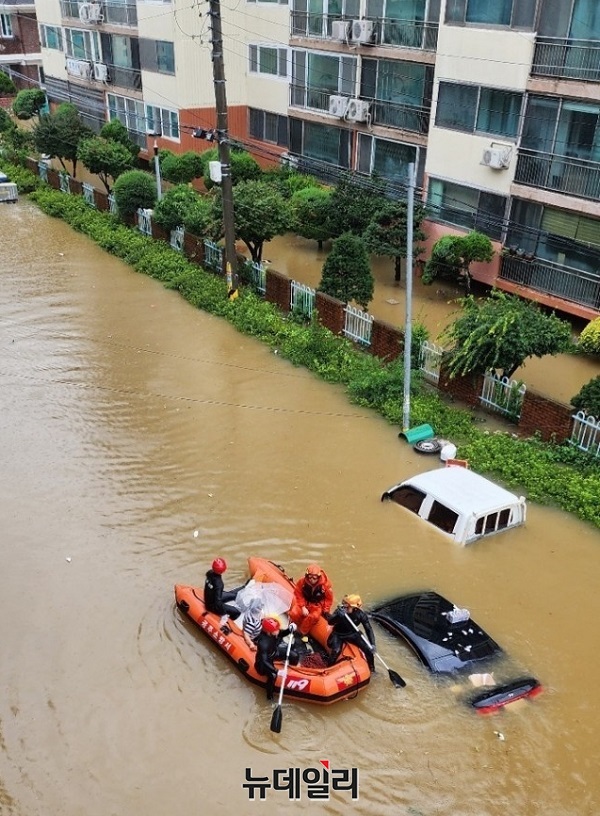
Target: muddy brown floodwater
559 377
128 420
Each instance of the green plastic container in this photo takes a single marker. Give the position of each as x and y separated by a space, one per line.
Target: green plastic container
413 435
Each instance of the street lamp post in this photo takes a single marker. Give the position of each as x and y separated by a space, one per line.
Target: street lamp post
409 282
157 164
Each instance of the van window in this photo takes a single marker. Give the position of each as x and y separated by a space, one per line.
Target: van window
492 522
442 517
409 497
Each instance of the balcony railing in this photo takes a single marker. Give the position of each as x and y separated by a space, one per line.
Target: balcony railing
125 77
561 281
120 14
576 177
567 59
402 33
305 96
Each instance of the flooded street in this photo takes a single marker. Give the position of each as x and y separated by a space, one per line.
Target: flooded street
560 377
128 421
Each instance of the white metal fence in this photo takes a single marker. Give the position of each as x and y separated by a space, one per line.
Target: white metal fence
213 255
503 395
430 360
144 219
586 433
43 171
65 182
88 193
176 238
302 299
358 325
258 274
112 204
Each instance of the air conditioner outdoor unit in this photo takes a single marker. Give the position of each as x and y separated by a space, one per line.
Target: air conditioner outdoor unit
496 159
340 30
363 31
358 110
338 105
95 13
84 12
100 72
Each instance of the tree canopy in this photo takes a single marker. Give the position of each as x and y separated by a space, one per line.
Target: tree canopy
181 168
261 213
134 190
105 158
58 134
353 205
310 210
7 86
452 256
28 103
117 132
244 167
588 398
347 272
175 207
500 332
386 233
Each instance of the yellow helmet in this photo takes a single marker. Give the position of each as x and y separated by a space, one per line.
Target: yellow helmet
353 601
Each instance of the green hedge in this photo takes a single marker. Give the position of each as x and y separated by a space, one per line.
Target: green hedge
550 474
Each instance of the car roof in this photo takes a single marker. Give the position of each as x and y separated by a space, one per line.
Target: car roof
444 647
462 490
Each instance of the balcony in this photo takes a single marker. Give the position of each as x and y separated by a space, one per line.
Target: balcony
552 279
399 33
577 177
118 14
130 78
567 59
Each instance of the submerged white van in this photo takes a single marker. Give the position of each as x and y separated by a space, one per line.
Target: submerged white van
460 503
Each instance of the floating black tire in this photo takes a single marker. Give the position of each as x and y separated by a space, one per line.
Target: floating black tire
428 446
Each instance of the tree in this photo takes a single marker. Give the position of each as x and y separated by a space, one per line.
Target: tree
310 210
6 123
387 232
133 190
181 168
353 204
452 256
589 339
289 181
500 333
7 86
588 398
117 132
243 166
28 103
104 158
261 213
347 272
58 134
199 218
170 212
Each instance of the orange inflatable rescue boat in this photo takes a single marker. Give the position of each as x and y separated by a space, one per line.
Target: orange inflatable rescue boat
312 679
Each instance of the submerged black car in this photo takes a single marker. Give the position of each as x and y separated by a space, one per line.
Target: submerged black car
449 642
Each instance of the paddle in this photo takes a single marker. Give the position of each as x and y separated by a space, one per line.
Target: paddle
394 676
278 714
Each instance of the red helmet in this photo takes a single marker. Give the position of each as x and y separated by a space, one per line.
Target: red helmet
219 565
271 626
313 569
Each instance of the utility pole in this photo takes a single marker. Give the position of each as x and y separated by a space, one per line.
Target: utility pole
409 281
223 142
157 169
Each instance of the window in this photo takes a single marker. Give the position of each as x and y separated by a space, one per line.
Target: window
443 518
163 121
514 13
315 77
165 57
401 90
265 59
562 127
82 45
51 37
323 143
130 112
409 497
5 26
387 159
268 127
471 108
467 207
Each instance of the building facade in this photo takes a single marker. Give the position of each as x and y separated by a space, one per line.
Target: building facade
20 55
497 104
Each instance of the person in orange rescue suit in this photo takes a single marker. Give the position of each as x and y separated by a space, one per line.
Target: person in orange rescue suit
313 597
270 647
343 631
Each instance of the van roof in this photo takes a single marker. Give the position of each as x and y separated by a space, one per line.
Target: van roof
462 490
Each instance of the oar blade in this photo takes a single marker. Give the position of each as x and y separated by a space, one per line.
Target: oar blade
396 679
276 720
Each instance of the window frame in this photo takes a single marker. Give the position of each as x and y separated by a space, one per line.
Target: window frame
260 133
92 50
160 58
480 90
6 27
161 120
281 58
123 107
478 217
457 10
57 30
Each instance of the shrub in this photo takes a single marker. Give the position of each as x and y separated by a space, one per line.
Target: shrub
588 399
25 180
243 166
28 103
7 86
181 168
347 272
171 210
589 340
6 123
134 190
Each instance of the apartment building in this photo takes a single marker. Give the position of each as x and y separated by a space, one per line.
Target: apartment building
20 55
497 104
